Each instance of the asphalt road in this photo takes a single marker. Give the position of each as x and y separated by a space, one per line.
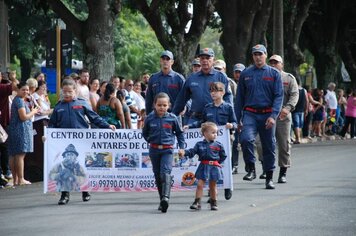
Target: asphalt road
319 199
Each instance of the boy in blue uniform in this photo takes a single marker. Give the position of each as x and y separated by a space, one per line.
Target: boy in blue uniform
219 112
70 112
159 130
211 154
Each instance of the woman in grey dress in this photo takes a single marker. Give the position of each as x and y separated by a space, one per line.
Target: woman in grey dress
20 133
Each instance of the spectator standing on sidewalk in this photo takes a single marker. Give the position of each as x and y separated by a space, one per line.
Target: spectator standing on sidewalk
20 133
6 88
350 116
300 111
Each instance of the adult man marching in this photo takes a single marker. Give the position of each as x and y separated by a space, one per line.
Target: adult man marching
283 128
258 103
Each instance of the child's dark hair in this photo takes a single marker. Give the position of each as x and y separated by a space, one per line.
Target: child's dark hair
21 84
217 86
40 83
161 95
208 125
110 88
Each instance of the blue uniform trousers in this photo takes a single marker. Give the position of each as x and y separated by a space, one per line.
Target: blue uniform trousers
253 123
162 160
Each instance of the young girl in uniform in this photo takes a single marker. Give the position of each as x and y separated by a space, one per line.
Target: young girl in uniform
159 130
211 154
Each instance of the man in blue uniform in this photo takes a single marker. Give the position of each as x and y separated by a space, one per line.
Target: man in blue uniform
258 103
197 87
166 80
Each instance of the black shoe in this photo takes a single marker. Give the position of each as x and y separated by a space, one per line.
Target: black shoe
282 179
263 175
196 204
251 175
228 194
64 198
85 196
269 184
159 207
234 170
282 175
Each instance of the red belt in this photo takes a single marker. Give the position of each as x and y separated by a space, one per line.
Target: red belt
161 146
212 163
259 110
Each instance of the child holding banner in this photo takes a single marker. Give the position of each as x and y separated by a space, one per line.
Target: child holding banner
211 154
219 112
159 130
70 112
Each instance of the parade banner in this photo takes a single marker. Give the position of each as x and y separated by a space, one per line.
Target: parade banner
102 160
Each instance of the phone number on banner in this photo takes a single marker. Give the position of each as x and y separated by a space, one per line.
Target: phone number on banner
109 183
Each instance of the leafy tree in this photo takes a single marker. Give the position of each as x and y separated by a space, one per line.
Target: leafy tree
136 47
169 20
95 32
295 15
28 24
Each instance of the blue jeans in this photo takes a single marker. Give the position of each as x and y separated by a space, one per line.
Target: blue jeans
253 123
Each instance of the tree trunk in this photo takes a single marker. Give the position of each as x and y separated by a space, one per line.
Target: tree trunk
295 15
26 65
278 46
242 27
321 31
95 33
169 19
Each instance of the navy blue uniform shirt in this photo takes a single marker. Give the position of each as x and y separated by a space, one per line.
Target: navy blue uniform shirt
170 84
220 115
163 130
208 151
259 88
197 88
72 115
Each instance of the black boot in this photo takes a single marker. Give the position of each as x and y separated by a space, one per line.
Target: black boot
282 175
269 180
64 198
228 193
251 174
213 205
159 189
166 192
263 175
86 196
196 204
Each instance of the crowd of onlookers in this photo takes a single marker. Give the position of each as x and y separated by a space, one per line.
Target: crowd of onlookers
327 112
121 102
